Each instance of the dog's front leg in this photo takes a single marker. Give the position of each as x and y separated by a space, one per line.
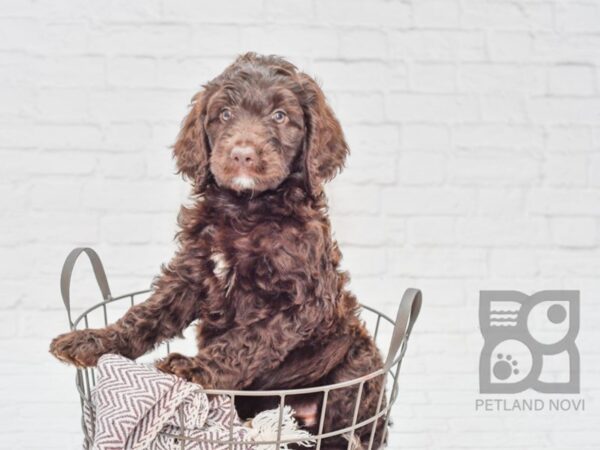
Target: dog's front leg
238 356
170 309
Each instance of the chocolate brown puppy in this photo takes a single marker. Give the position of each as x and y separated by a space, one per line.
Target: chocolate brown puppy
256 261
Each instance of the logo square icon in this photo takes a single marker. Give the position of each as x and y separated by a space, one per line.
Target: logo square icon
529 342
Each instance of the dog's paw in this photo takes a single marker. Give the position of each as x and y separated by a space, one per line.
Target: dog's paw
176 364
81 348
183 367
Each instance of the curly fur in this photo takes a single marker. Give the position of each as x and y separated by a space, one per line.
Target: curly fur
259 268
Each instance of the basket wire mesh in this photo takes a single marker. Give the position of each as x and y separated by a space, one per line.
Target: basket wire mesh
408 311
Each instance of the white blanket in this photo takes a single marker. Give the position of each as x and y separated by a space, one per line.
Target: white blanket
135 407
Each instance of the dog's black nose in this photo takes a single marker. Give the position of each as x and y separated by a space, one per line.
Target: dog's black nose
244 156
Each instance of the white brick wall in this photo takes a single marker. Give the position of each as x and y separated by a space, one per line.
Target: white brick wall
475 135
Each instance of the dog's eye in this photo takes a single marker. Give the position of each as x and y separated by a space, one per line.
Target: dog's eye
226 114
279 116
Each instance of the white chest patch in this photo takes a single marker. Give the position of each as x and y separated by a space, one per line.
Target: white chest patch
221 267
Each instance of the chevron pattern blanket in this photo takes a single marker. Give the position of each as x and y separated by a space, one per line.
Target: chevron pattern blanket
136 407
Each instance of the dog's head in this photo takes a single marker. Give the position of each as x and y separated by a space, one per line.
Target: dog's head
257 123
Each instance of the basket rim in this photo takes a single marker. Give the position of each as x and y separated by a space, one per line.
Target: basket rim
262 393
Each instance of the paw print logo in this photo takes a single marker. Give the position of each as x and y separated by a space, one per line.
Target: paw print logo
527 336
505 367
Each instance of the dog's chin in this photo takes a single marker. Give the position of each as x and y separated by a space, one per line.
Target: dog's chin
244 183
241 183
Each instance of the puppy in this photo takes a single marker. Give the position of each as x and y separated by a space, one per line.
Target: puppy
256 261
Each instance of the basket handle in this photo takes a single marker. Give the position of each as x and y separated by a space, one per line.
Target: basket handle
408 311
67 271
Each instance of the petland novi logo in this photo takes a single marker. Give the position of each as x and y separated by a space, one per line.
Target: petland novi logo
529 343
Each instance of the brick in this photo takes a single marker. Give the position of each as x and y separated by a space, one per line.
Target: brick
132 71
510 46
376 138
292 41
431 231
189 73
505 108
145 39
64 37
493 170
575 232
553 110
427 201
62 163
438 45
133 11
565 48
499 136
488 78
511 263
8 324
68 104
62 136
21 34
159 163
352 76
425 136
360 108
363 44
16 102
437 14
118 195
72 71
559 170
502 232
352 230
129 105
594 170
501 201
421 168
76 228
127 165
237 12
119 137
18 69
13 196
564 202
578 17
395 230
495 14
126 228
295 11
567 263
568 139
355 199
438 263
429 107
203 43
56 195
364 261
364 168
394 14
427 77
572 80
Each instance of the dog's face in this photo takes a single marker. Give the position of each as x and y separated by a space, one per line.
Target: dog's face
255 124
255 134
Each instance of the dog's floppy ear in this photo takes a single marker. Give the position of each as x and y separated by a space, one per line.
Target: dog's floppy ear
191 150
325 148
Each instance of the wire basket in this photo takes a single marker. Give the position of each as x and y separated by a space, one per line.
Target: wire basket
398 332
